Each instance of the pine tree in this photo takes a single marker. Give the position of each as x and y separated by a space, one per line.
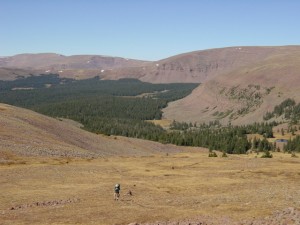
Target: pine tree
267 154
282 132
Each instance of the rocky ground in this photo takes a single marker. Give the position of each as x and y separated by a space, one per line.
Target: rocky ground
283 217
45 203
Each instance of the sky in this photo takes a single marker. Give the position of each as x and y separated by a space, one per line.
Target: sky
144 29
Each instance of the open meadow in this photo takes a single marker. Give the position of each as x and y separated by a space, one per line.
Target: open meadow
164 187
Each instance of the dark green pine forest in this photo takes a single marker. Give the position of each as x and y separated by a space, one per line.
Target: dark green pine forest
123 107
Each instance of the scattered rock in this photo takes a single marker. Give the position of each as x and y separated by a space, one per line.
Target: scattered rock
45 203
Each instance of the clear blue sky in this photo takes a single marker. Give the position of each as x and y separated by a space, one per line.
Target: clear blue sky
144 29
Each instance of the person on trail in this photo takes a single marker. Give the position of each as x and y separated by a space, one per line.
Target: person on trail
117 192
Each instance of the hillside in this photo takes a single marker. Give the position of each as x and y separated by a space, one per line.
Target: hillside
24 132
200 66
196 67
75 66
52 61
14 73
243 95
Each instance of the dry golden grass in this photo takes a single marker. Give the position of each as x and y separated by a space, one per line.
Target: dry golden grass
173 186
164 123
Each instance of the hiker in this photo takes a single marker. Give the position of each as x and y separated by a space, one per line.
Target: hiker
117 192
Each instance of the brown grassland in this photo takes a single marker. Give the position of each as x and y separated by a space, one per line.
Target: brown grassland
164 186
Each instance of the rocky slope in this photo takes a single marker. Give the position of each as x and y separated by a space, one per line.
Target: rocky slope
200 66
14 73
243 95
27 133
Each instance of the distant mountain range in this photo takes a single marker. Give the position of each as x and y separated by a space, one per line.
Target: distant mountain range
239 84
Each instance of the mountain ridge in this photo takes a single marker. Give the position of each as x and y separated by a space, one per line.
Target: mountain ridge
196 66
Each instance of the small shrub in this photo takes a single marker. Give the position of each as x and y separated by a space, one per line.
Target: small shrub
224 154
267 154
294 155
212 154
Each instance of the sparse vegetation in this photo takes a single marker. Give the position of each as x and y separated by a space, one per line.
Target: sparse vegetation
288 109
293 145
33 82
212 154
220 115
293 155
224 155
249 97
267 154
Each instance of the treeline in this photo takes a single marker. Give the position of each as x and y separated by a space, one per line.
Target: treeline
231 139
293 145
110 115
175 125
89 88
104 106
265 129
288 109
227 139
262 145
33 82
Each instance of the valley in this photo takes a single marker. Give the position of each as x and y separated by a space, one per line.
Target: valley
205 137
250 79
